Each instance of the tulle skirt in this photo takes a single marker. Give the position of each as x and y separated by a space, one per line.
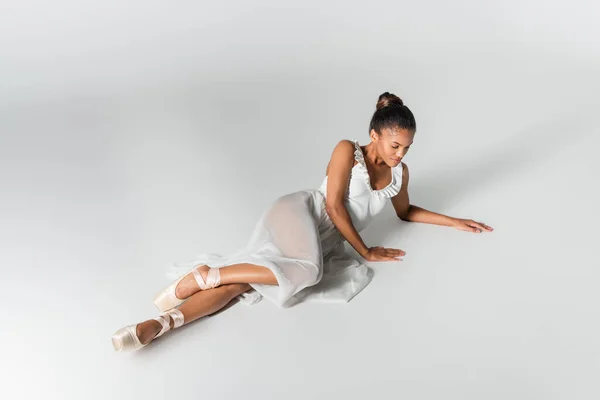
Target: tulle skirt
297 241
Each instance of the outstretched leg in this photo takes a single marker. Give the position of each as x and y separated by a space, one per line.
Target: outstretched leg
199 305
233 274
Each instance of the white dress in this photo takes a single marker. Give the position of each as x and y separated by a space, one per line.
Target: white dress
296 239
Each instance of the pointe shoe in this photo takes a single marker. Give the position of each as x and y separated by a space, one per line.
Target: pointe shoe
126 338
166 298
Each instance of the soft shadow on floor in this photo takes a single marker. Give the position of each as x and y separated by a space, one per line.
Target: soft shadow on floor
448 185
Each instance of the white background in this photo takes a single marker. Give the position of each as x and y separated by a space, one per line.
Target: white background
138 133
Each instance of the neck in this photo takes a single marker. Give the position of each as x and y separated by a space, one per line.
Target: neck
371 155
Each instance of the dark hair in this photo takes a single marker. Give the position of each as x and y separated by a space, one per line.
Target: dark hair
391 113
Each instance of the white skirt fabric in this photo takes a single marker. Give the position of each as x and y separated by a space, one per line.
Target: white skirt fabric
297 241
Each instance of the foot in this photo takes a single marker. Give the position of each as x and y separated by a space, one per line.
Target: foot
134 337
188 285
147 330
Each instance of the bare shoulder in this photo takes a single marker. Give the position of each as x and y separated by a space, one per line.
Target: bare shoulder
404 168
405 174
342 156
344 146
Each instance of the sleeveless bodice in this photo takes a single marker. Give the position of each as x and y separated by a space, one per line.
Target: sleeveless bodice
362 201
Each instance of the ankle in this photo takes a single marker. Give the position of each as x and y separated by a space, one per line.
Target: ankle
189 285
151 329
146 331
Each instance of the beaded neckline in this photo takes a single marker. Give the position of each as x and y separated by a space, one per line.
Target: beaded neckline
360 158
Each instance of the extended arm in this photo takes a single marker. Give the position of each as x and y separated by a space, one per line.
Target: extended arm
408 212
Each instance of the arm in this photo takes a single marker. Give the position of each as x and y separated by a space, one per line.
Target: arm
411 213
338 177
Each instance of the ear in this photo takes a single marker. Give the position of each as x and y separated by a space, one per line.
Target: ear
374 135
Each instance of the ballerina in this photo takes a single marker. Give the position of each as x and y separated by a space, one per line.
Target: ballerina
296 252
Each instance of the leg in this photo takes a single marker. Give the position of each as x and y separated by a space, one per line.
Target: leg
237 273
197 306
290 228
206 303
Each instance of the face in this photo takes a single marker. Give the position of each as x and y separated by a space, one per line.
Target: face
392 145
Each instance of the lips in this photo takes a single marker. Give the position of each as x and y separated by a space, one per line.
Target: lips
395 160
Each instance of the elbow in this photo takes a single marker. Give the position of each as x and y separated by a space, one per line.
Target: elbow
333 208
404 215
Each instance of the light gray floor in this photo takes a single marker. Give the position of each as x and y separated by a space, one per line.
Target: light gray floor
138 133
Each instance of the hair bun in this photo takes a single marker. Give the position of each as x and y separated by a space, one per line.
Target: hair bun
387 99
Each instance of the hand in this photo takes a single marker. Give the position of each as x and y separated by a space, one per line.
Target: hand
380 253
469 225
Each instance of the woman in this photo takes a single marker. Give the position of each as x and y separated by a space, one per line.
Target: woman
296 252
